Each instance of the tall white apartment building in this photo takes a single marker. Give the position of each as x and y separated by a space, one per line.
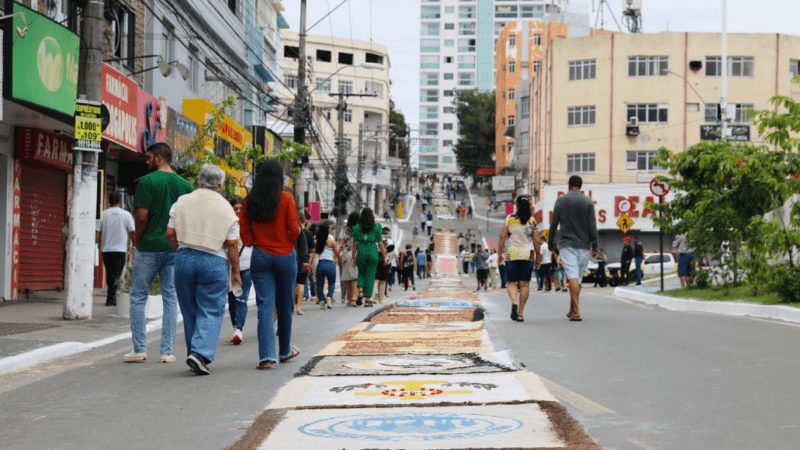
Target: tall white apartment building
457 46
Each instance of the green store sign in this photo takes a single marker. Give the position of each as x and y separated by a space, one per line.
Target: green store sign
43 61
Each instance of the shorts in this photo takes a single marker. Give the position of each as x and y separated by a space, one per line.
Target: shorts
382 272
520 270
301 277
483 274
685 264
576 261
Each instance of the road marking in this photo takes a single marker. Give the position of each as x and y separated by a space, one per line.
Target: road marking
575 399
641 444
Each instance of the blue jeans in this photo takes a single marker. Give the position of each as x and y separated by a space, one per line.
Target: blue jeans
274 281
237 306
202 285
145 267
326 269
502 270
638 263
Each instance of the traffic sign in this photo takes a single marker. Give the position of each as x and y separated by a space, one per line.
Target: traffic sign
625 223
659 188
624 205
488 205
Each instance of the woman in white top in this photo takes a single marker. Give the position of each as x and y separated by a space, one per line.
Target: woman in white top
492 261
237 306
326 250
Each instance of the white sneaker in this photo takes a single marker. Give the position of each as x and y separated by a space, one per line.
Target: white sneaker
134 356
167 358
237 336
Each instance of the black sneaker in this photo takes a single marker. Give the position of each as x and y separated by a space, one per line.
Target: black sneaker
197 364
109 303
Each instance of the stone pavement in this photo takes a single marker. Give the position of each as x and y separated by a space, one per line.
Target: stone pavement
427 372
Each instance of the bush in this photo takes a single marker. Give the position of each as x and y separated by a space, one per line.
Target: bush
785 281
702 277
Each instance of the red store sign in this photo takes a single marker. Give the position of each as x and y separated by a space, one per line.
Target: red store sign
120 97
46 148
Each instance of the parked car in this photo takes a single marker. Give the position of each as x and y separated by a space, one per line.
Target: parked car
650 265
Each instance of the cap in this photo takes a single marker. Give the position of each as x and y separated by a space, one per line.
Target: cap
626 238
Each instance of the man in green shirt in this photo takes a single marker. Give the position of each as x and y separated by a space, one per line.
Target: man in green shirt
155 195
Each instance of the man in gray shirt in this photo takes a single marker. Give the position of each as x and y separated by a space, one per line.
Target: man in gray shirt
575 214
481 261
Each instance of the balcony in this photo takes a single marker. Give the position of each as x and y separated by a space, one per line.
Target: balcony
429 65
466 65
430 15
429 49
470 48
429 115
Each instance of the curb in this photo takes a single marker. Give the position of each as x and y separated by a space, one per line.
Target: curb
62 349
773 312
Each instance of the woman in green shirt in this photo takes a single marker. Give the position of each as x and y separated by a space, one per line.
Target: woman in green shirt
367 249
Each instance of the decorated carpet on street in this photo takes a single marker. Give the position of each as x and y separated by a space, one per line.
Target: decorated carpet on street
422 373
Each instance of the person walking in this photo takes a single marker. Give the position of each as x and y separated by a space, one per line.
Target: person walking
421 260
462 242
501 270
467 239
600 273
393 269
458 212
348 270
544 270
575 215
204 230
114 233
429 223
155 195
481 261
463 213
638 257
685 259
367 249
472 241
237 306
382 273
428 263
493 266
325 251
303 264
469 212
409 263
415 232
522 256
310 293
269 224
625 260
423 219
465 261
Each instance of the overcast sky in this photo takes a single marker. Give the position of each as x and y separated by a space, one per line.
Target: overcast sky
395 24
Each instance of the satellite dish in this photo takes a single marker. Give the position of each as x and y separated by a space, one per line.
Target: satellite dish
183 70
164 68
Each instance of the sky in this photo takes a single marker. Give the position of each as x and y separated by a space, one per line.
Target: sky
395 24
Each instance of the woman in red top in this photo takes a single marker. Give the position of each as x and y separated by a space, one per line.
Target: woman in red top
268 223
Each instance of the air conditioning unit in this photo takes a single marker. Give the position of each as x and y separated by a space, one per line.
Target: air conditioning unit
633 122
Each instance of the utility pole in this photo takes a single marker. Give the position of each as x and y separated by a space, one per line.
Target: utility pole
723 101
360 170
301 101
79 280
339 205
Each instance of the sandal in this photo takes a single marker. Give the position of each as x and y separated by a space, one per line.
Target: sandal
265 365
575 319
294 353
514 311
520 319
368 304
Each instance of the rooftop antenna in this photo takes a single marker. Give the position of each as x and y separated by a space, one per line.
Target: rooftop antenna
632 12
601 14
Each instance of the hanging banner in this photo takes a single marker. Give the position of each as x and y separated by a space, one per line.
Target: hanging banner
119 94
88 125
151 124
46 148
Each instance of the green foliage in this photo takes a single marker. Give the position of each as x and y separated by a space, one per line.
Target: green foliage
780 128
476 124
785 281
398 135
702 277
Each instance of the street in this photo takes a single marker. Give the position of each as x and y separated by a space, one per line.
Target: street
634 376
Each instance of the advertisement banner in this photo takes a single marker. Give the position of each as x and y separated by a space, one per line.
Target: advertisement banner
180 132
739 133
88 124
119 94
46 148
230 134
151 123
44 64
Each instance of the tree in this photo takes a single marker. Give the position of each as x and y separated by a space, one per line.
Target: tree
476 117
397 137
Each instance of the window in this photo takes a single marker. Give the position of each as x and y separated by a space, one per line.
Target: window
449 110
524 107
449 43
536 66
232 6
648 66
429 78
512 40
291 52
373 58
431 12
467 61
448 76
428 162
466 45
466 28
794 67
345 86
375 88
429 128
448 59
428 145
126 32
510 120
642 161
429 45
327 114
466 78
512 67
447 143
345 58
511 93
580 115
447 93
531 11
582 70
168 44
738 66
522 149
429 61
580 163
447 160
537 39
648 113
348 143
348 115
428 112
740 116
290 80
503 11
429 95
467 12
449 9
430 29
324 55
449 26
447 126
323 85
194 73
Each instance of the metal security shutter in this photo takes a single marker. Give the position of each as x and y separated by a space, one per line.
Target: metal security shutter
43 215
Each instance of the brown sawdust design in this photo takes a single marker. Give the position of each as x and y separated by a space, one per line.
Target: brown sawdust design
401 347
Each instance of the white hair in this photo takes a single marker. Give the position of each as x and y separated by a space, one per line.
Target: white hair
211 177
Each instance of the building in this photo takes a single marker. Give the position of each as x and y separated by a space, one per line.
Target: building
457 52
357 72
602 106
